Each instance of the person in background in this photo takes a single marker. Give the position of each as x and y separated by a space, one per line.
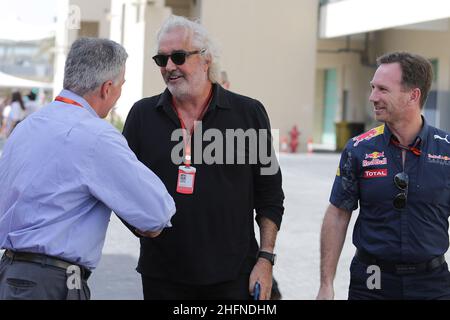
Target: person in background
32 104
2 107
5 124
18 111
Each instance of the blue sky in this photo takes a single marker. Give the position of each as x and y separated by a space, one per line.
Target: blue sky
37 12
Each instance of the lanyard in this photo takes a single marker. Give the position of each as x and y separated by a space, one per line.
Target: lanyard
68 101
414 149
187 136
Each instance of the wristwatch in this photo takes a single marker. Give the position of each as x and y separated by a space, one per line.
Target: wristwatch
272 257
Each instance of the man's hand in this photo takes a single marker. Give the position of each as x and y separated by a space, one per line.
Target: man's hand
325 293
262 272
148 234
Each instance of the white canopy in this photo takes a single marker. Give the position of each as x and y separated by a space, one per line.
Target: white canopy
16 31
9 81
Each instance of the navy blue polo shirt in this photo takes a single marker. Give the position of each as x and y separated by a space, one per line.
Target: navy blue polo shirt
366 173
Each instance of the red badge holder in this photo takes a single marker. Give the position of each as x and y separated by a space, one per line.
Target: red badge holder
186 179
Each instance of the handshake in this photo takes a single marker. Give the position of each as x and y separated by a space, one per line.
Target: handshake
148 234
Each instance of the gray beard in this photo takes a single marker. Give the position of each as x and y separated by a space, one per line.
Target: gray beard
180 93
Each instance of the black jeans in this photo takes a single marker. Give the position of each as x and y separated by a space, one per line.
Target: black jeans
159 289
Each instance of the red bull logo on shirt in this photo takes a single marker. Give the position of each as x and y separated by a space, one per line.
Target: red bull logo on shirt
376 159
375 155
439 159
368 135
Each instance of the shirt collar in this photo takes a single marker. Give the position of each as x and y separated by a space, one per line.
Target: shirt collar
220 99
73 96
423 133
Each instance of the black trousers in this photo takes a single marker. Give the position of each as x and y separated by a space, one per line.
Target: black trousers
431 285
22 280
158 289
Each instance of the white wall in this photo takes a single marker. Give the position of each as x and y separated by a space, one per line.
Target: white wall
61 45
96 10
355 77
269 53
358 16
139 27
432 45
68 18
352 76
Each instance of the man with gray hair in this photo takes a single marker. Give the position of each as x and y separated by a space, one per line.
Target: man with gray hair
62 171
211 251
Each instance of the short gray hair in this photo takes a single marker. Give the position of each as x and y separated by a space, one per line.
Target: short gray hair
91 62
200 39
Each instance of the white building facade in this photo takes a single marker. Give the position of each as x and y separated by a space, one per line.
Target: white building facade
352 33
309 62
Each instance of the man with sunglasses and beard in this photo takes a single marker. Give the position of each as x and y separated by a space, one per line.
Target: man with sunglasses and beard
399 173
211 251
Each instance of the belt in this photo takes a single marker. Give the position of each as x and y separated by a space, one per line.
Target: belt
45 260
399 268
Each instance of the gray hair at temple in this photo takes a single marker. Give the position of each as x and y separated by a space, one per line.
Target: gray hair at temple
91 62
200 38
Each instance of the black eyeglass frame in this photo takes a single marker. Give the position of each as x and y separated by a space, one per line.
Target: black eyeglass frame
178 57
401 181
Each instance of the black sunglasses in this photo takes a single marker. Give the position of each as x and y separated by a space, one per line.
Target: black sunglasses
178 57
401 181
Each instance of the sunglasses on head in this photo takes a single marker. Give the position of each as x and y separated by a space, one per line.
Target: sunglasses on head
178 57
401 181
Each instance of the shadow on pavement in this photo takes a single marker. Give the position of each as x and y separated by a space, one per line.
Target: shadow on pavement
115 278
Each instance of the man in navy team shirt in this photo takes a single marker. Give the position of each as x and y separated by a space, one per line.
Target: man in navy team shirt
400 174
